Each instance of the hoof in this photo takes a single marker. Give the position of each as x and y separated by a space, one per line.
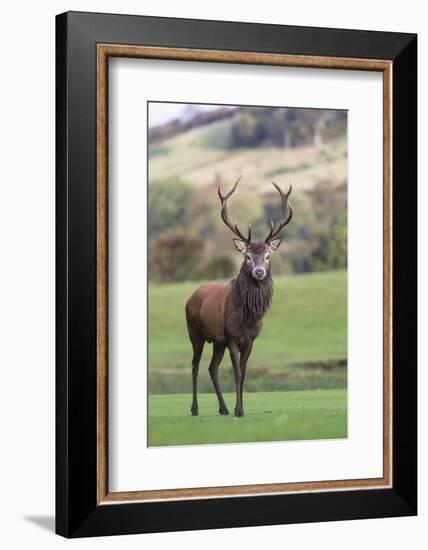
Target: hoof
223 411
194 412
239 413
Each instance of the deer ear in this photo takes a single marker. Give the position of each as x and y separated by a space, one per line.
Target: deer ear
274 244
240 245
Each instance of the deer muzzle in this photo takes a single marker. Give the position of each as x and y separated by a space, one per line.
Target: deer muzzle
259 273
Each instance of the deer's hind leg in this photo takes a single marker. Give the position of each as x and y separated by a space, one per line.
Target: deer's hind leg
198 342
218 352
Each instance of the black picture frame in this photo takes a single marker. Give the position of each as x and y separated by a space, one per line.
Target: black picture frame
77 511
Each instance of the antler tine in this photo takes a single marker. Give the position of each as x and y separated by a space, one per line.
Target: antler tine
270 232
283 221
223 198
225 213
285 201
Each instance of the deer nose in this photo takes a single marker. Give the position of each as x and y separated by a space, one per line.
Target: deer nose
259 273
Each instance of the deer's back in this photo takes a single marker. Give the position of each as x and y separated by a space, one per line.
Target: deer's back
205 310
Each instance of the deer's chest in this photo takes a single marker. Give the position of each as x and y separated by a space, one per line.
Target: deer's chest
242 330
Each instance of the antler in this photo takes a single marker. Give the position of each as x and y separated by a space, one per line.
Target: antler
283 221
225 214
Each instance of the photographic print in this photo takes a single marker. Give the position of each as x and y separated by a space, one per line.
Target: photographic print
247 270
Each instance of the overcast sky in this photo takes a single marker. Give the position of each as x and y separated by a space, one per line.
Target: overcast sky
161 113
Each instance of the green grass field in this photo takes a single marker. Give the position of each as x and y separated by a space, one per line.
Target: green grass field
303 343
269 416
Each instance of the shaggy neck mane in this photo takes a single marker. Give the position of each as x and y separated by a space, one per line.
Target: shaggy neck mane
252 298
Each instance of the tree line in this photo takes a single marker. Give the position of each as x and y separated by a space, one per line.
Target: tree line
263 126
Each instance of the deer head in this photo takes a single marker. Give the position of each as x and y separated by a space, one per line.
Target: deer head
257 255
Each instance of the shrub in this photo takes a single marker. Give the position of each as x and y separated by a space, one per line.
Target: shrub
167 205
332 250
219 267
175 256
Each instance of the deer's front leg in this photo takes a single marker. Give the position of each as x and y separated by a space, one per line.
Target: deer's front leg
234 356
245 354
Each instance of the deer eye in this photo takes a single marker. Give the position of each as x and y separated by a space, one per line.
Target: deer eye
267 256
248 256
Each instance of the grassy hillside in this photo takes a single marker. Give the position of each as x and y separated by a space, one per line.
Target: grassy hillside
303 344
273 416
199 157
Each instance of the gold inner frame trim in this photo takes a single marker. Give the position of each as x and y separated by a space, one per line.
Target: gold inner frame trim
104 51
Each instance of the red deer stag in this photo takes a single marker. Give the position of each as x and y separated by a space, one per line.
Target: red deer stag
230 315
